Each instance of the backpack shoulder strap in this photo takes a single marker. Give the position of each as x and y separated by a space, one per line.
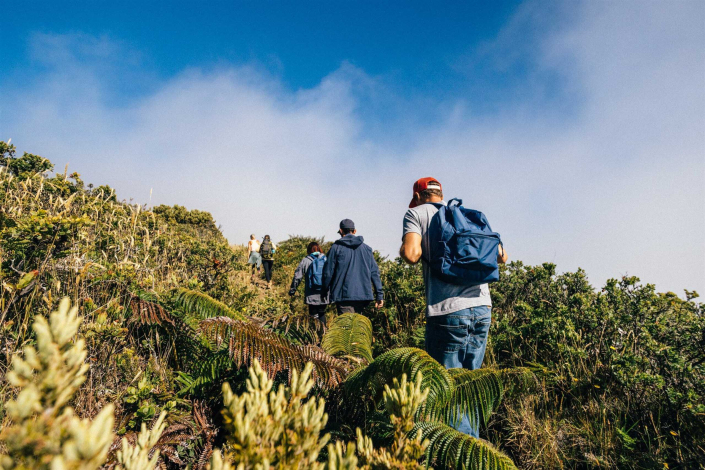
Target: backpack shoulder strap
455 202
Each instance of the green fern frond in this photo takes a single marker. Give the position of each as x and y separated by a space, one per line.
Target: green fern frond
246 341
349 334
299 327
452 449
202 305
475 393
210 371
392 364
452 393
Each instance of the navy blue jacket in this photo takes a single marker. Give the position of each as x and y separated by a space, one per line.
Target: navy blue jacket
351 270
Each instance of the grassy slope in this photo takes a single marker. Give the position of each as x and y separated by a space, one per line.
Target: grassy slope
621 370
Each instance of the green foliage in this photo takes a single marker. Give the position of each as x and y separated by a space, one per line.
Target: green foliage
266 428
39 235
371 380
625 366
247 342
166 303
46 433
401 403
202 305
105 192
401 322
141 456
25 166
476 393
181 215
284 429
451 393
453 449
349 335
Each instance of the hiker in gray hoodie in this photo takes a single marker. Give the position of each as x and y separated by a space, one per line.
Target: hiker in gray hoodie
311 269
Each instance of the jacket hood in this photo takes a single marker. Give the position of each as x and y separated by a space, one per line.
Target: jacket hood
351 241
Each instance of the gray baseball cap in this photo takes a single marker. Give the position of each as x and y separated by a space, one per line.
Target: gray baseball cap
347 224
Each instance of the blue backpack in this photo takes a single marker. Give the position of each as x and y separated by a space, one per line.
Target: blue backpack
314 273
463 246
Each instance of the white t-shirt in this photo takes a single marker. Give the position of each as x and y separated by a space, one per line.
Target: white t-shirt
442 297
253 245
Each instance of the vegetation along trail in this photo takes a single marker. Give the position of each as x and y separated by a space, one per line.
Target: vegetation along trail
134 338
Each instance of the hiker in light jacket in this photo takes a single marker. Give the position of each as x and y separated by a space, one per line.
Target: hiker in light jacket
254 259
317 303
350 272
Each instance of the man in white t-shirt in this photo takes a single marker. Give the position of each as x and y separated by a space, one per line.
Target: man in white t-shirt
457 317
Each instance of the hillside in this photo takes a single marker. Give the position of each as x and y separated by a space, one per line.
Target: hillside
575 377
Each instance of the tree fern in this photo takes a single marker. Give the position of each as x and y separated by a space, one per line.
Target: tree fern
211 371
202 305
145 312
299 327
246 341
392 364
475 393
452 449
452 393
349 335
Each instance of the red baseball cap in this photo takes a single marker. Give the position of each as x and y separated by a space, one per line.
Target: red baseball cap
422 185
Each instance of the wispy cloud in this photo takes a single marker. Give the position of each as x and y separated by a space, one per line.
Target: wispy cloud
614 186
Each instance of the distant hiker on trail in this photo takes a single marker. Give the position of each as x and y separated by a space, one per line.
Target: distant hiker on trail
311 269
460 255
350 272
267 250
254 258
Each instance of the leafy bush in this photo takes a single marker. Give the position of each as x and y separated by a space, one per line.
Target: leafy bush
45 433
624 367
575 377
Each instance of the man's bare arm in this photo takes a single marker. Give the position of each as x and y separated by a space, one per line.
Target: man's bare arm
410 250
502 255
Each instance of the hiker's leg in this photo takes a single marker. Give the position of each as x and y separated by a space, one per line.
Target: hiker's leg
318 312
268 269
447 337
344 307
361 305
477 342
474 353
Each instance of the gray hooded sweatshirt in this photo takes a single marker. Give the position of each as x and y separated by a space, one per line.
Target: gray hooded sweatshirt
312 297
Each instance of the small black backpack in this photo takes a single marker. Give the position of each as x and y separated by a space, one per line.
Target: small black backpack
266 249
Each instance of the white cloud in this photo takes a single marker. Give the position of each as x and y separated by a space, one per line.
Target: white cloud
615 188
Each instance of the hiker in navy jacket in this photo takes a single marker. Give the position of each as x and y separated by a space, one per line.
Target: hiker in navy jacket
350 272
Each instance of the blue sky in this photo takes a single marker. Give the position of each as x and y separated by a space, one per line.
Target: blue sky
415 42
578 128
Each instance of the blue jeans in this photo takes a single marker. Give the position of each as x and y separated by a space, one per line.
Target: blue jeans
459 339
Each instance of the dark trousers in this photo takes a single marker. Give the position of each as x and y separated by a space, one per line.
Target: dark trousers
353 306
318 312
268 264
